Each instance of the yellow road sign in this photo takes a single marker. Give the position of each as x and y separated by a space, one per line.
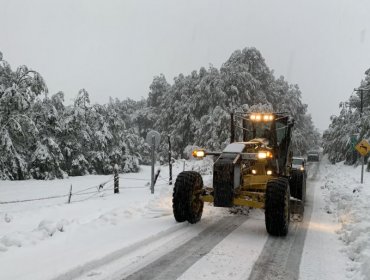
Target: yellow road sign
363 147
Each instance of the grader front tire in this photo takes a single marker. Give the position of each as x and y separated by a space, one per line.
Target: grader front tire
277 207
186 202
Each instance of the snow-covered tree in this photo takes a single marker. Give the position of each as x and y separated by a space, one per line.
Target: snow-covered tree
350 126
195 109
18 132
41 137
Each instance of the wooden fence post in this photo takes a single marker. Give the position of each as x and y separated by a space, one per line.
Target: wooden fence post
70 195
156 177
116 179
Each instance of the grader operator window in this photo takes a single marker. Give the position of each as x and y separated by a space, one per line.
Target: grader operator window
260 125
267 126
260 130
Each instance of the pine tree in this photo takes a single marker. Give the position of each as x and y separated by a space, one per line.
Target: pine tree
18 132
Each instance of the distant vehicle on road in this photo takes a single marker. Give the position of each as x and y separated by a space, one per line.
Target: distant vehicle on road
313 156
298 163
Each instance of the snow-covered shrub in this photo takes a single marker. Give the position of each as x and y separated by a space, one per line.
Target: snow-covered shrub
131 164
100 163
12 164
45 161
80 166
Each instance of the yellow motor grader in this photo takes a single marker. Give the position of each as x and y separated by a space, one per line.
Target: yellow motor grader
255 172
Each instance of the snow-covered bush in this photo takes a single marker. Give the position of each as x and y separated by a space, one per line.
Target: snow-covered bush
45 161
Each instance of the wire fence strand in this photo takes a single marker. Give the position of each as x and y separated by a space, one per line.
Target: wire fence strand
33 199
101 189
80 192
135 179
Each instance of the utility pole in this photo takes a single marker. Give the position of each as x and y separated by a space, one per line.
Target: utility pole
362 102
361 90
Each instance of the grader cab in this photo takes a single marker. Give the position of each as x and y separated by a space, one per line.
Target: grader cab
255 172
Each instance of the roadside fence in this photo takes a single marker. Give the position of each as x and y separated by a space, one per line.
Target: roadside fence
106 188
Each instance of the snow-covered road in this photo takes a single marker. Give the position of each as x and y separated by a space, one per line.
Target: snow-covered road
237 247
134 236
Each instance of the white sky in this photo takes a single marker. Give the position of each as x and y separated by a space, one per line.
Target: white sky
114 48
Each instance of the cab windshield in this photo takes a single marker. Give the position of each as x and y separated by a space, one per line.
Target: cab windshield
259 130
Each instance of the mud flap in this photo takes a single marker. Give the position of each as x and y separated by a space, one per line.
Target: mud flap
296 209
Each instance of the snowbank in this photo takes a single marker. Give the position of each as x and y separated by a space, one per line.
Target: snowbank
348 201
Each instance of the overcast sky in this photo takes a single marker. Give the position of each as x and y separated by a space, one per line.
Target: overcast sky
114 48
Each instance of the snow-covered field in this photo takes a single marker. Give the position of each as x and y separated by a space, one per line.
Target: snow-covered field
43 239
99 234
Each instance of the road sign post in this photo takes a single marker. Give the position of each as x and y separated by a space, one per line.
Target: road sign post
153 162
153 138
169 159
363 148
362 170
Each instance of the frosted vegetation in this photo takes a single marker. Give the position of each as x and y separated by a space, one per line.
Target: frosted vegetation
349 127
42 138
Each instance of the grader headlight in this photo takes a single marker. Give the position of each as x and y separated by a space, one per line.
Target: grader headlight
264 155
199 154
261 117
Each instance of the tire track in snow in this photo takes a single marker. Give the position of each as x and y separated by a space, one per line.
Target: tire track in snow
281 256
176 262
95 264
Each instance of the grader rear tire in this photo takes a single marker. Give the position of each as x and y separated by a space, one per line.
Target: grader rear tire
186 202
277 207
298 185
